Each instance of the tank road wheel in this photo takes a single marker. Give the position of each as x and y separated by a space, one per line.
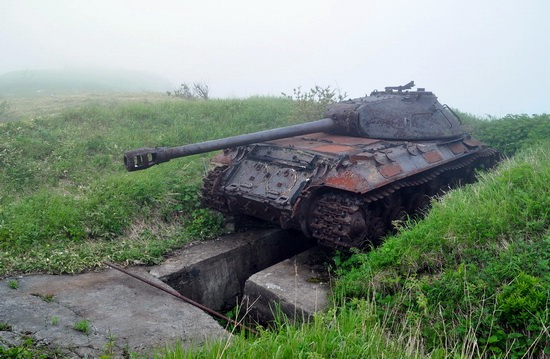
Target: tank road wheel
418 203
393 214
377 230
358 225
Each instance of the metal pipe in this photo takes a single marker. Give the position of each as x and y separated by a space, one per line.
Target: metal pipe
182 297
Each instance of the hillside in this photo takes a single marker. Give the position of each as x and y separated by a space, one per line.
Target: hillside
66 81
471 279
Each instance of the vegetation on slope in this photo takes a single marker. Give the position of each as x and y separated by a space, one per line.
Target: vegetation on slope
66 201
470 279
510 133
476 272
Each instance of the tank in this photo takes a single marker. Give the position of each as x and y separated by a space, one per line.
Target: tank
345 179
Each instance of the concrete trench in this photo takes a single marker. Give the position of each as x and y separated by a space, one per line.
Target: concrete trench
260 270
264 272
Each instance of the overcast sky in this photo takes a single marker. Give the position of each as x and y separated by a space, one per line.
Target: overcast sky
480 56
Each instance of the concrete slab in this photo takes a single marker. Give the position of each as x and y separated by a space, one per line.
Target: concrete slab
123 313
213 273
297 286
127 315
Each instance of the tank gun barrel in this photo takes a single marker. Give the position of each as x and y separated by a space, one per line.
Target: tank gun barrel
143 158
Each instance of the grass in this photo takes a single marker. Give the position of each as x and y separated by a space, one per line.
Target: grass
83 326
13 284
67 202
471 279
337 333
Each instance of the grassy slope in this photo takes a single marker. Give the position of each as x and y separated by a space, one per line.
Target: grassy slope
66 203
78 80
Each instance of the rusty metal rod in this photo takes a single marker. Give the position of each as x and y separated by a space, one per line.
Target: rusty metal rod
182 297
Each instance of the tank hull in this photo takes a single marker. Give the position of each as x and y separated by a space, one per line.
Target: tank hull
343 191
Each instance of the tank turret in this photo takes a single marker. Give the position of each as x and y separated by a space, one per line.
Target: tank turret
343 179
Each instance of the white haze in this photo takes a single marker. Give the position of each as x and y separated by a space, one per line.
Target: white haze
483 57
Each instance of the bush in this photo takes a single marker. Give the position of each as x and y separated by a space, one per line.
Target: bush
510 133
311 105
196 91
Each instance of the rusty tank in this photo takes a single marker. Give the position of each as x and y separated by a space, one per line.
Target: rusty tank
345 179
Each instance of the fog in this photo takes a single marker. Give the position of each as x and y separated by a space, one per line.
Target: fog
484 57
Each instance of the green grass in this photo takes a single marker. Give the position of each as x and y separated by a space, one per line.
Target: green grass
13 284
83 326
337 333
510 133
476 271
67 203
471 279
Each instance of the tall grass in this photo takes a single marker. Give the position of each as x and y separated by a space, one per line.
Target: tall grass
338 333
476 269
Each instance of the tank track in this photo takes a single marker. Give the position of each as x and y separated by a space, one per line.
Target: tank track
210 197
334 218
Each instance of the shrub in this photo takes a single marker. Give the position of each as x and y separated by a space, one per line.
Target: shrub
311 105
510 133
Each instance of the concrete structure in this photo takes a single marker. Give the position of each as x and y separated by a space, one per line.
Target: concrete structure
123 313
127 315
298 287
213 273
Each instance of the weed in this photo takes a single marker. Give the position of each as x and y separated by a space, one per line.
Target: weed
109 348
6 111
205 224
13 284
28 349
83 326
196 91
55 320
48 297
5 327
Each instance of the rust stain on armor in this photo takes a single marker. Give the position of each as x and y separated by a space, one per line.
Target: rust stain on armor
432 156
458 148
348 180
334 149
390 170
